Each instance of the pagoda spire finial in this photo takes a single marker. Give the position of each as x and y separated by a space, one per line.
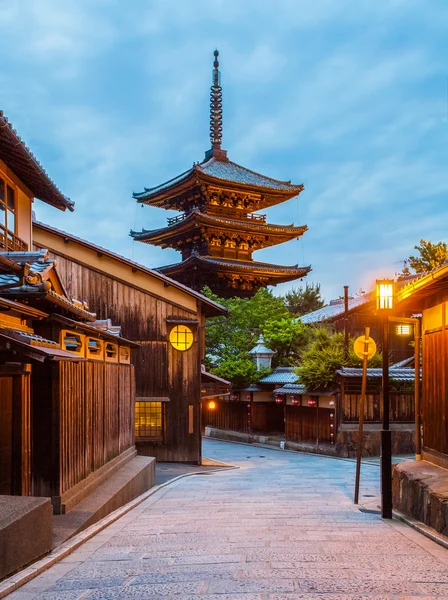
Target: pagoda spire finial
216 112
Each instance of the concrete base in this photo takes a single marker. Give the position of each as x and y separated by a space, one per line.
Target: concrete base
420 490
137 476
25 531
403 439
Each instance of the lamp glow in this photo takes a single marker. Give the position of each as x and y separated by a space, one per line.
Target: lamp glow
211 405
384 294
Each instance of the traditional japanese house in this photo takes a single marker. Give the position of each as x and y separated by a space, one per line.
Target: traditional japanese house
360 313
402 413
167 321
66 383
420 488
219 228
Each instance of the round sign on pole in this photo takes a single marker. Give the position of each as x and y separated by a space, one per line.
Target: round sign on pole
360 344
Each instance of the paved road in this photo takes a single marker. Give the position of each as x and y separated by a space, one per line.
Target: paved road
281 527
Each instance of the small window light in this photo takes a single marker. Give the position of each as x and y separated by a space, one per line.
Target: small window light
404 329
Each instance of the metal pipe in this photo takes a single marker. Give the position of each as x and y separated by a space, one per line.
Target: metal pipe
386 435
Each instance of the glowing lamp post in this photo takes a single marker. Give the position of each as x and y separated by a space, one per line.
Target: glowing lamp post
384 305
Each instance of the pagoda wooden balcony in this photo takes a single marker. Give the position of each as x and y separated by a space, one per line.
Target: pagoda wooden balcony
10 242
230 214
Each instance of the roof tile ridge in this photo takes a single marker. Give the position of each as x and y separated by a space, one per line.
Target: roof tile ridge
299 185
156 187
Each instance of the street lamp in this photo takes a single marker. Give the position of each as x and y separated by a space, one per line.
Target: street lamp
384 305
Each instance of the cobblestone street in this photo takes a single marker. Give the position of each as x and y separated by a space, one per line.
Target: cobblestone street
281 527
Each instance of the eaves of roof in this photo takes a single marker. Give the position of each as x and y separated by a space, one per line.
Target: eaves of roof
19 158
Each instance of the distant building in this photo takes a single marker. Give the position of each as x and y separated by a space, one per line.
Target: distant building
220 229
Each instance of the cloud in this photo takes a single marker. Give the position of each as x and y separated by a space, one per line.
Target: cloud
346 97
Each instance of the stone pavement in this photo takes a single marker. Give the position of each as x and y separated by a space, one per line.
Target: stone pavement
282 527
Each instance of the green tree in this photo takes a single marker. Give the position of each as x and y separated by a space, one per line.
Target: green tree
228 341
324 356
288 337
430 256
302 301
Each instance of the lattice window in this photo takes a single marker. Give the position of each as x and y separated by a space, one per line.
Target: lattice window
181 337
149 420
8 239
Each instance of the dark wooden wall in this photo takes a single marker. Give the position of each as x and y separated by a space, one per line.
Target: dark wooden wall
402 403
83 417
160 370
309 424
232 416
434 393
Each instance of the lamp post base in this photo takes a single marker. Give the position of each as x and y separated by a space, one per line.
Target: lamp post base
386 474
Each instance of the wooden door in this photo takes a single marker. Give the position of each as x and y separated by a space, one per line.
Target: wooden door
6 436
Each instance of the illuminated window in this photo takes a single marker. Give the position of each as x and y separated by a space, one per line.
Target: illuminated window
149 420
181 337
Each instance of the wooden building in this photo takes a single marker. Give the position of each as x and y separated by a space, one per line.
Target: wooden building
67 388
62 375
420 488
220 229
167 321
361 313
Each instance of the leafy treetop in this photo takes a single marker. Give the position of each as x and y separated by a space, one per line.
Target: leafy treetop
430 256
302 301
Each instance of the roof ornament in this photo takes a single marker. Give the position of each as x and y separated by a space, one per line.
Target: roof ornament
216 105
216 113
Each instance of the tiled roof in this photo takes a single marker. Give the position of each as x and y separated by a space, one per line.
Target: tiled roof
16 154
334 311
35 281
402 374
281 375
251 265
292 388
197 218
230 171
225 170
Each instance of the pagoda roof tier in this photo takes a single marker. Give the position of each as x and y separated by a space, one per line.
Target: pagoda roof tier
171 235
275 273
220 172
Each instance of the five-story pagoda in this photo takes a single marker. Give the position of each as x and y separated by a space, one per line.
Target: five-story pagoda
219 228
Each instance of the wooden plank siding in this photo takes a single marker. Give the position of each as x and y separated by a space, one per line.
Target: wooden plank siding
402 407
231 416
160 370
308 424
82 419
434 392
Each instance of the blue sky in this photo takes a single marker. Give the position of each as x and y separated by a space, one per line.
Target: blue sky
349 98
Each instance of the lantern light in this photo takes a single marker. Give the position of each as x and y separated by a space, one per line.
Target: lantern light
235 397
248 406
331 415
312 402
403 329
295 401
331 403
384 294
249 396
211 405
278 400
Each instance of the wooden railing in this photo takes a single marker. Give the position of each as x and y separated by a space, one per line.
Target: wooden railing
174 220
10 242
